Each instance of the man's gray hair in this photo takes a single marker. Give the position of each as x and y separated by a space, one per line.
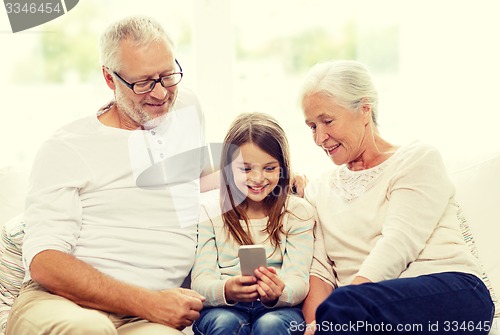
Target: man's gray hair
141 30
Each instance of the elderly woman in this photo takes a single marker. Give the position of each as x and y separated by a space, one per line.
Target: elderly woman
390 256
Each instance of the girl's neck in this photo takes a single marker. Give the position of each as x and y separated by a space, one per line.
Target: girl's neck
255 210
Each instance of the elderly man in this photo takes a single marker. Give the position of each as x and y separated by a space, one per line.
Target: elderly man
112 205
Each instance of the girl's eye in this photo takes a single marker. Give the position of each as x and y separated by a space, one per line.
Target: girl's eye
270 168
245 169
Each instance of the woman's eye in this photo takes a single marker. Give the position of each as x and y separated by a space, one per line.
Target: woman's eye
245 169
270 168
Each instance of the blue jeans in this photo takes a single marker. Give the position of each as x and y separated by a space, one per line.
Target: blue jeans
443 303
249 318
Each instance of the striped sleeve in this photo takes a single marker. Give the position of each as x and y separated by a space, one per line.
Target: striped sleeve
297 252
206 277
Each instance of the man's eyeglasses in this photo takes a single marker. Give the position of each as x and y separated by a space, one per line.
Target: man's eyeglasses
146 86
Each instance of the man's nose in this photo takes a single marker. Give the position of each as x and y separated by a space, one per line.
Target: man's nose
159 92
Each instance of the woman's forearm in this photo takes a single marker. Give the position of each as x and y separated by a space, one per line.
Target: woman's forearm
319 290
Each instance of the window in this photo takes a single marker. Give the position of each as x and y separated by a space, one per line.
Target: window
435 65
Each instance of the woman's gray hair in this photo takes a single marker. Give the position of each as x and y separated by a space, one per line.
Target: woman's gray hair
141 30
348 81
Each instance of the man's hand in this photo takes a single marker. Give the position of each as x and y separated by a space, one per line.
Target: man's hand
177 308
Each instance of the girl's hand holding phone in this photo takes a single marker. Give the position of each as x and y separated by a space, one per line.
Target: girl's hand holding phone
241 289
270 286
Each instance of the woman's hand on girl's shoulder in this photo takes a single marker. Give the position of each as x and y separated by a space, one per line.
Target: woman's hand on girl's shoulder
299 183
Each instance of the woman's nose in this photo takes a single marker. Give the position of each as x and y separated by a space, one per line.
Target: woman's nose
320 136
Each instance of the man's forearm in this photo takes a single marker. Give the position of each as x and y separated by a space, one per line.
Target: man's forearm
64 275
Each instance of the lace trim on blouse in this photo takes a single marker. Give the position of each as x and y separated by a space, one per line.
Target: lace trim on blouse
352 184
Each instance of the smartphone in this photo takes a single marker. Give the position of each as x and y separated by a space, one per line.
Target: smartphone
251 257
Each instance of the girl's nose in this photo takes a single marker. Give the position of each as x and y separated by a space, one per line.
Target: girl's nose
256 176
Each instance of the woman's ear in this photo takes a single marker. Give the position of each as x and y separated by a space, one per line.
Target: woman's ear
109 78
366 109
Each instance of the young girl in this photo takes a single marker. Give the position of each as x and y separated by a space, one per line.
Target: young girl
254 206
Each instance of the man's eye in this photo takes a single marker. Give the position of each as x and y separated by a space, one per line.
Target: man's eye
168 79
143 84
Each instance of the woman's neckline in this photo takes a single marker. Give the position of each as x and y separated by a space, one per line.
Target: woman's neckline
386 158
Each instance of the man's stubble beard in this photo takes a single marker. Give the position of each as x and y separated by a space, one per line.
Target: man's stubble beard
137 114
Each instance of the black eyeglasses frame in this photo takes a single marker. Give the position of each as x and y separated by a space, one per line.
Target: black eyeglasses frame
153 81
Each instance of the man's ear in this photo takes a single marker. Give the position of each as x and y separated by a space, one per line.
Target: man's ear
109 78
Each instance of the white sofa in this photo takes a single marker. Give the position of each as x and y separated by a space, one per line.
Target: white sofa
477 180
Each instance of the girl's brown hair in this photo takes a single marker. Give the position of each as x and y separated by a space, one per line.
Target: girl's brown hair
263 131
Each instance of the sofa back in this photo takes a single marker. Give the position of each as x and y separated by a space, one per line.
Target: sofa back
13 184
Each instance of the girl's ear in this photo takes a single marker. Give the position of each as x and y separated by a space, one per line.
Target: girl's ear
108 77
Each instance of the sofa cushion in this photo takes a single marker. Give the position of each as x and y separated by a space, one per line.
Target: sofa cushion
471 243
477 185
11 266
